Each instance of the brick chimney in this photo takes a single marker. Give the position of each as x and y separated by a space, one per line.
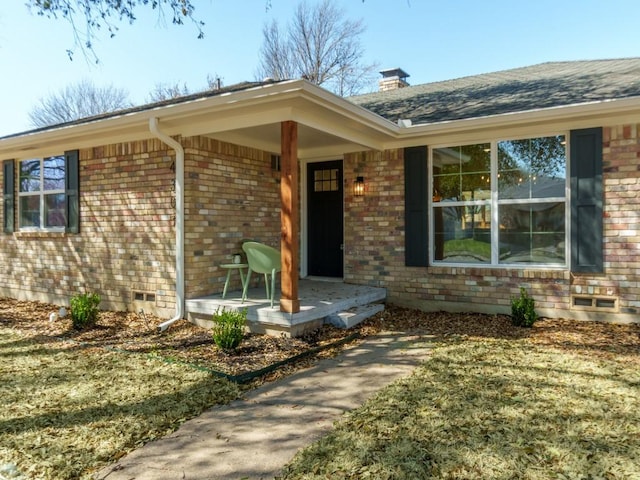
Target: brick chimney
392 79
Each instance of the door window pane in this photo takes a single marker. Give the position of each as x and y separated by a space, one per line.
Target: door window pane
325 180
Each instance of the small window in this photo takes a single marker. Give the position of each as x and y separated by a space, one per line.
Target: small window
42 199
325 180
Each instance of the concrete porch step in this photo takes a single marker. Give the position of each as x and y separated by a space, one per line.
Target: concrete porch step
355 315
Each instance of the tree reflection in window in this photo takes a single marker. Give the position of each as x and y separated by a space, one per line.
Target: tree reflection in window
462 203
42 202
532 200
527 197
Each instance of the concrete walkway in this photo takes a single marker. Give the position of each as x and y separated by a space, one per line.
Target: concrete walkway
253 438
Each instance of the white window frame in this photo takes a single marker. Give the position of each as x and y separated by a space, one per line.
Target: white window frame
42 193
495 206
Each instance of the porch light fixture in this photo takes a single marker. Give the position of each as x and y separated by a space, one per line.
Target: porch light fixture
358 187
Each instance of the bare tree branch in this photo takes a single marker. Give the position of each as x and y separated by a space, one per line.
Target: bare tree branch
164 91
276 61
99 14
77 101
214 82
321 46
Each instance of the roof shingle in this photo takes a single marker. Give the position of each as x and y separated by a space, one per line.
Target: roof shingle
544 85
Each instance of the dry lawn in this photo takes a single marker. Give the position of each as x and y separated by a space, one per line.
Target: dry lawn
68 409
561 400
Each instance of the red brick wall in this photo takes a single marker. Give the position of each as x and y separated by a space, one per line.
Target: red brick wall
127 215
125 240
374 239
127 237
231 194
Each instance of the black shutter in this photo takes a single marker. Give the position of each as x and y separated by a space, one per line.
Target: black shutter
415 207
72 191
586 201
8 194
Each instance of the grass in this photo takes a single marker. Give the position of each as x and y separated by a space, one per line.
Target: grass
69 410
467 246
490 409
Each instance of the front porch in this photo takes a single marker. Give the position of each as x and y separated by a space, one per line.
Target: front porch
321 302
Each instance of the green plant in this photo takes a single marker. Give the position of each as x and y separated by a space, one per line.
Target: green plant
228 328
84 310
523 312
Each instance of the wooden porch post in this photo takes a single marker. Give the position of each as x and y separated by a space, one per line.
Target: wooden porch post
289 217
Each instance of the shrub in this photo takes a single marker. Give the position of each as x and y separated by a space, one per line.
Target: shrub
523 312
84 310
228 328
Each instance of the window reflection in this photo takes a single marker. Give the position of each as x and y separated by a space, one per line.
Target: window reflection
532 168
30 211
30 176
42 202
532 233
54 173
528 201
462 173
463 233
55 210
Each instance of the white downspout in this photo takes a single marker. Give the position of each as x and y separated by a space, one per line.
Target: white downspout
153 128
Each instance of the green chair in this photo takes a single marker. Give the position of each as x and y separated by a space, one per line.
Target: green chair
261 259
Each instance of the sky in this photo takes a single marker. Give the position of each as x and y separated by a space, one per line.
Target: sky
430 40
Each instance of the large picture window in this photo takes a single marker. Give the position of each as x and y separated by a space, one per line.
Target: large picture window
42 199
500 202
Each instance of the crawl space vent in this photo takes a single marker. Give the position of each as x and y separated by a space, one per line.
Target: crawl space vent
594 304
143 296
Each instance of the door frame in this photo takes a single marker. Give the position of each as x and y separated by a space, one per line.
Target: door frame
304 205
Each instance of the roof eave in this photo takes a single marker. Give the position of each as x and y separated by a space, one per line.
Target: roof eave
583 115
301 101
372 129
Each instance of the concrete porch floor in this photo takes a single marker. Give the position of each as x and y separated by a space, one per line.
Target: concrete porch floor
319 299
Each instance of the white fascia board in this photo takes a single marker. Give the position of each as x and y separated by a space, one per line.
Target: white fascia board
571 116
128 126
241 109
340 129
348 109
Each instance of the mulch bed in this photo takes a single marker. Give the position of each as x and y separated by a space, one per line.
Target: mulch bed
189 343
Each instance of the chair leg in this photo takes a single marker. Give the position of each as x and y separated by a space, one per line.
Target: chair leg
266 283
273 286
246 285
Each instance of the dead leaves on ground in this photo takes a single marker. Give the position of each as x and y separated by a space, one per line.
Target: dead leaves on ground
490 409
67 385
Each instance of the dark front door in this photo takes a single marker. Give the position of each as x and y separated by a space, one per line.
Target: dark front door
324 219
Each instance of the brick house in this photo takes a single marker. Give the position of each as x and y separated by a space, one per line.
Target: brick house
449 196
